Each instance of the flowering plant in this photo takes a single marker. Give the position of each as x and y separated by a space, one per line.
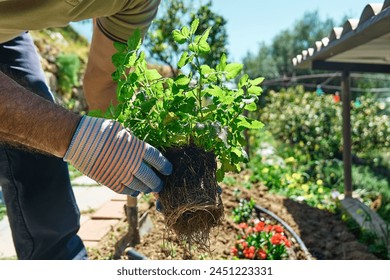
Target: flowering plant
261 241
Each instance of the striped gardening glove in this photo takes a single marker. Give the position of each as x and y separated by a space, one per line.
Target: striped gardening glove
108 153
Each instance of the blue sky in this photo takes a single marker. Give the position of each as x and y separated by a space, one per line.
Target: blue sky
251 22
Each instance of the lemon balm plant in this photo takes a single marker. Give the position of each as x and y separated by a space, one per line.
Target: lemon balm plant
199 108
196 119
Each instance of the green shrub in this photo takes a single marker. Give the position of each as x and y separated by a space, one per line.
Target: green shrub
68 70
244 212
315 182
370 126
302 118
314 123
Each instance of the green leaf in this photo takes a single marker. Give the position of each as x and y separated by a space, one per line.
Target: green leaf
215 91
183 60
188 106
243 80
255 90
194 26
220 175
257 81
118 59
148 105
237 151
185 32
222 63
251 107
206 70
204 47
248 123
152 74
232 70
120 47
130 60
170 117
178 37
226 99
211 107
182 81
205 35
193 47
134 41
95 113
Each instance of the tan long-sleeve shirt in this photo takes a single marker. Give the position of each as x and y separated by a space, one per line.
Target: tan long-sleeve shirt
117 19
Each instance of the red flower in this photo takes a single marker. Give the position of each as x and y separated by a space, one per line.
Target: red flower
268 228
249 230
259 227
277 239
286 241
278 229
234 251
262 254
249 253
243 225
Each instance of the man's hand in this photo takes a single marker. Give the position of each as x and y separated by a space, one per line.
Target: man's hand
108 153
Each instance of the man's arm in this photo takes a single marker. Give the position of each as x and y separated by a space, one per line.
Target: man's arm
33 122
99 88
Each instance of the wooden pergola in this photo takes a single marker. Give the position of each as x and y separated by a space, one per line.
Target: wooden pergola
360 45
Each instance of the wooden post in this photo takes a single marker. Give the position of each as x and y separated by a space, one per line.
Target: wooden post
132 237
347 155
132 219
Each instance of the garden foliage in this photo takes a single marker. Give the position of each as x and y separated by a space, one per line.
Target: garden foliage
306 161
198 108
315 124
68 71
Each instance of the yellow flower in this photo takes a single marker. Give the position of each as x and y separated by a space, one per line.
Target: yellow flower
320 206
305 187
265 170
296 176
320 182
289 160
320 190
308 196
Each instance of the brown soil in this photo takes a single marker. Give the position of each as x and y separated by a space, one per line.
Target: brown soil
190 199
323 233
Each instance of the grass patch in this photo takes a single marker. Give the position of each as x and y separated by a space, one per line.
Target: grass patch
3 211
73 172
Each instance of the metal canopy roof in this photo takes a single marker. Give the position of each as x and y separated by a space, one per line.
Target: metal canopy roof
361 45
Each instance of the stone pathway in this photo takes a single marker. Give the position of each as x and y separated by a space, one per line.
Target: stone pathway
101 209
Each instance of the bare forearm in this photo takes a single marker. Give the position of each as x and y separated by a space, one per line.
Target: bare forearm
99 88
33 122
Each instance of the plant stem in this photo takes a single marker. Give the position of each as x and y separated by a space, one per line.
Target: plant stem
200 85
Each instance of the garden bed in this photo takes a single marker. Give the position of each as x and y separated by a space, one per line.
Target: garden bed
323 233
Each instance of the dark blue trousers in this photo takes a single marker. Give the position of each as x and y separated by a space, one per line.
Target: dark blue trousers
41 206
